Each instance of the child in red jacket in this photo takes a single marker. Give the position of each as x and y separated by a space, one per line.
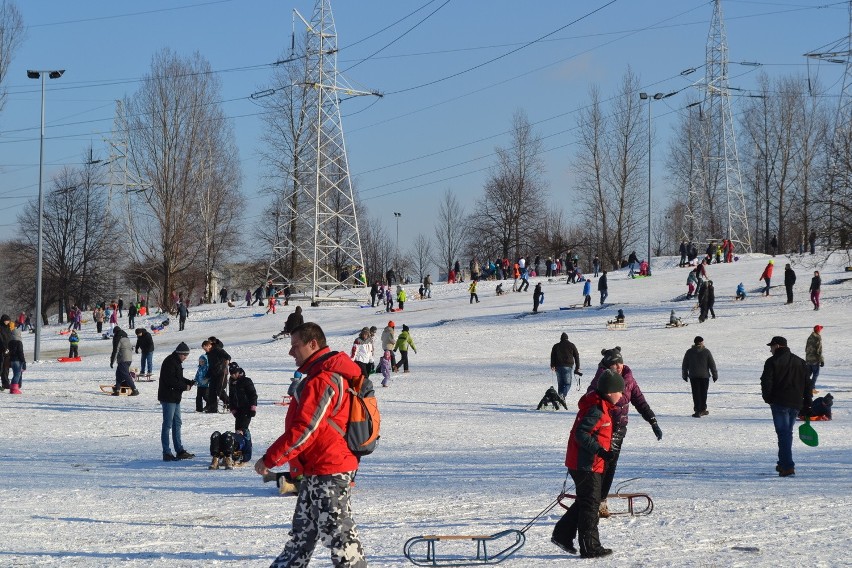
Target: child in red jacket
588 449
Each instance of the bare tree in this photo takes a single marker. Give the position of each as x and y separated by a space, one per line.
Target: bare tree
12 33
450 231
80 250
610 169
176 131
421 254
377 254
504 220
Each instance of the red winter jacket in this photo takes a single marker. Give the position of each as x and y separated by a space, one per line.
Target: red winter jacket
767 272
592 430
308 439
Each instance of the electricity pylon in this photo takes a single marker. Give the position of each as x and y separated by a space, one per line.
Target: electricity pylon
840 151
721 171
317 245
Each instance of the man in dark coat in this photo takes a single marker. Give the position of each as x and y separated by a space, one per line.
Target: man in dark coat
785 388
183 312
789 281
243 400
218 360
294 320
5 361
145 343
698 365
565 360
537 295
602 287
171 388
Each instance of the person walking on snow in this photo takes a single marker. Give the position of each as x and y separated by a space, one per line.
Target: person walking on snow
587 293
403 342
602 287
785 388
766 276
472 290
613 361
389 342
697 367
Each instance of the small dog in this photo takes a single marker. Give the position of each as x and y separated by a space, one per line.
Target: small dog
552 397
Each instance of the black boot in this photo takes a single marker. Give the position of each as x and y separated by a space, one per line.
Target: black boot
590 545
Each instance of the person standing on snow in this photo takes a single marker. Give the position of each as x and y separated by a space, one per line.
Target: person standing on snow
587 293
145 343
538 295
613 361
816 283
813 356
122 354
169 392
698 365
472 290
389 342
565 360
766 276
785 388
789 282
374 291
602 287
362 351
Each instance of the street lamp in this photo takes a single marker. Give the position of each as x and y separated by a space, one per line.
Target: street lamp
397 215
40 74
656 97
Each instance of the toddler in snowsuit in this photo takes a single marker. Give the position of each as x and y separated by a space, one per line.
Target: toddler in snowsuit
385 366
74 341
229 448
741 293
388 300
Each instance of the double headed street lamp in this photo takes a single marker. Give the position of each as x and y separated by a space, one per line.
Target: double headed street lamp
648 97
396 260
40 74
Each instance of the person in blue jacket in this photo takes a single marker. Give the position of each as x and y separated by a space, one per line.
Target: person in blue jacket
587 293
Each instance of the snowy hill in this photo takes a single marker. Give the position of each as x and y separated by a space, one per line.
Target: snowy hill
463 450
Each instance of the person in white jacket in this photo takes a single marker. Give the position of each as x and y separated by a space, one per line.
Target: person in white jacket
362 351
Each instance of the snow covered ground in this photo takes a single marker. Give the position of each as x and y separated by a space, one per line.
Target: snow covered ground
463 449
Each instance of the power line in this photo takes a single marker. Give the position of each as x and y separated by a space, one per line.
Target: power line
129 14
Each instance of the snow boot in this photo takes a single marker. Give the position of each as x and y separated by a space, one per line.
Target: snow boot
214 464
184 455
590 545
229 463
566 547
603 510
134 392
15 389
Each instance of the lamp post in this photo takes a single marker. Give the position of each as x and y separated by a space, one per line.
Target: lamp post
40 74
648 97
397 215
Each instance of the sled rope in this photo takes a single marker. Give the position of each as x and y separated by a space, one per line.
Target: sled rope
547 509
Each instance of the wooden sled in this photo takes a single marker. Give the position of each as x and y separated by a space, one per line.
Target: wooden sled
123 391
511 540
637 503
284 401
616 325
677 324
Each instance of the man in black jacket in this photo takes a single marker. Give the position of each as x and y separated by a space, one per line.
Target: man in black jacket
698 365
564 357
789 281
171 389
145 343
602 287
218 360
785 388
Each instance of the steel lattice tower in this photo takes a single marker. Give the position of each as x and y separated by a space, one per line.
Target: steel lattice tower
840 151
317 245
721 171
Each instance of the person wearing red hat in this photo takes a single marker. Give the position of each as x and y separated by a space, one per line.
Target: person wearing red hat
813 356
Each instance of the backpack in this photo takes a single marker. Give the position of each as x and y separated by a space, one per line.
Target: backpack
362 427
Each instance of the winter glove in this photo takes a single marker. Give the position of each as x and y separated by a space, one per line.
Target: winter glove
605 454
253 411
822 363
111 364
656 428
715 379
685 380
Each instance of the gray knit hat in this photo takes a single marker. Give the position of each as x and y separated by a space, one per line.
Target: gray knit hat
611 356
182 349
610 382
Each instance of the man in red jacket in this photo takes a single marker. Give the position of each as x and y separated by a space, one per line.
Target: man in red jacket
589 446
320 453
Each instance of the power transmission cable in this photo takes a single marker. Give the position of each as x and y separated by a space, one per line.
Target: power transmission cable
130 14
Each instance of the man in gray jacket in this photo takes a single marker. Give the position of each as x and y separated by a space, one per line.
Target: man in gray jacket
122 354
698 366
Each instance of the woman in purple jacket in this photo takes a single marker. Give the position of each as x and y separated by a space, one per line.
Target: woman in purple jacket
632 394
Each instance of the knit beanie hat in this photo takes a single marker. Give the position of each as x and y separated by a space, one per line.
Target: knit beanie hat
563 337
610 382
611 356
182 349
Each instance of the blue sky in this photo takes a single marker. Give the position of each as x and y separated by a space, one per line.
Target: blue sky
430 132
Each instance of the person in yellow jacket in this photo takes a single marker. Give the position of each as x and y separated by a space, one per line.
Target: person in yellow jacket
472 290
401 296
403 342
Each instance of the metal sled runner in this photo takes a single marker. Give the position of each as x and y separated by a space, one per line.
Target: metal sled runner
637 503
510 540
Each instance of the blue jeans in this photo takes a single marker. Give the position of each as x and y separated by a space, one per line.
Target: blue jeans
814 369
147 359
16 372
171 421
784 418
564 377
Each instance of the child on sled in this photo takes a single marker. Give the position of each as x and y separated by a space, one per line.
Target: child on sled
229 448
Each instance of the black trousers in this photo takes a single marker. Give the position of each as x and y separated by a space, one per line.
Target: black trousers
403 359
201 398
789 293
618 434
582 515
699 393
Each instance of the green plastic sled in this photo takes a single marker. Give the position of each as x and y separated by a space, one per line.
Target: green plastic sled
808 435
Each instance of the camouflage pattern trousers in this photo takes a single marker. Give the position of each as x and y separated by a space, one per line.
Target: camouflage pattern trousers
323 512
